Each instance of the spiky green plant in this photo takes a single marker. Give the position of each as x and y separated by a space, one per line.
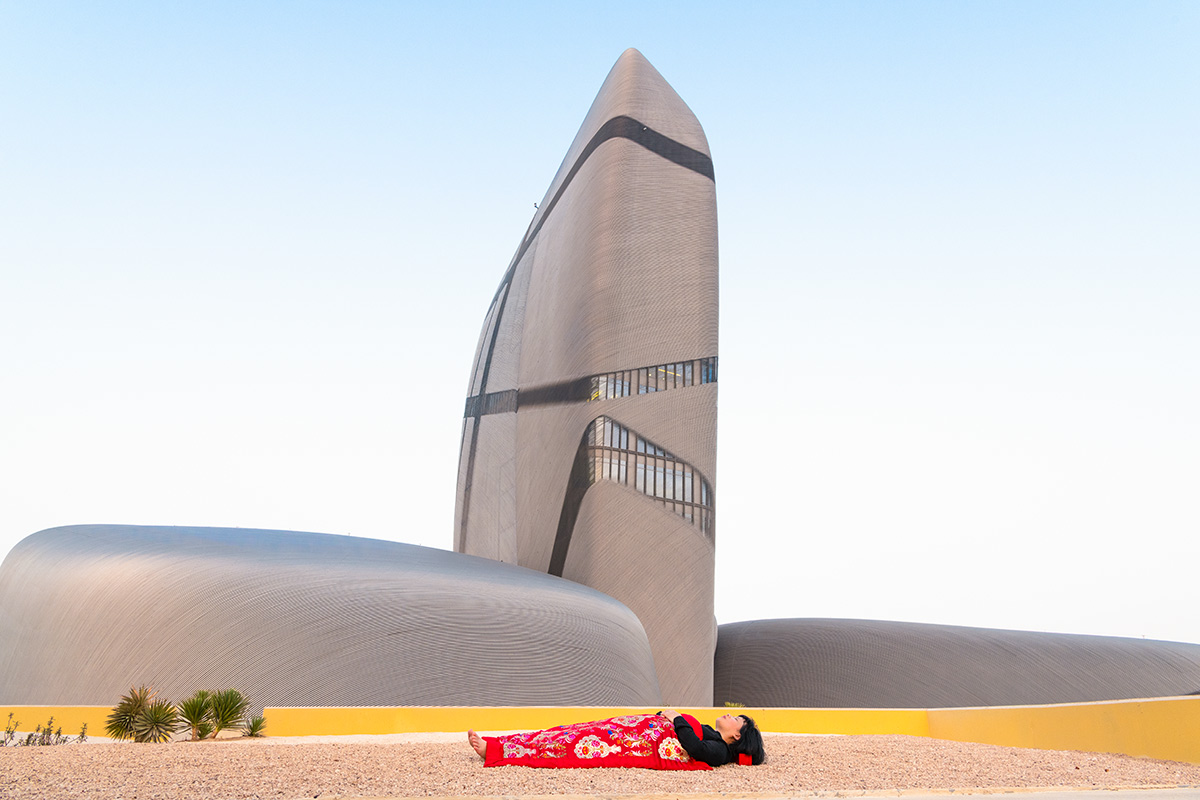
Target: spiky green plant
120 721
195 712
156 722
228 709
254 726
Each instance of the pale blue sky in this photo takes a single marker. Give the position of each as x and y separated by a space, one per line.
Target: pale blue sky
245 252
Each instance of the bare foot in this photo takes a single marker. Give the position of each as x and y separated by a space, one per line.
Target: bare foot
478 743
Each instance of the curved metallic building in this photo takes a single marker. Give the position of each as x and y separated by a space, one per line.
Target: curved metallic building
589 434
839 663
303 619
588 464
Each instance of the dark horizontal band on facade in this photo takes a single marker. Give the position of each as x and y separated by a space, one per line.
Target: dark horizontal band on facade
608 386
619 127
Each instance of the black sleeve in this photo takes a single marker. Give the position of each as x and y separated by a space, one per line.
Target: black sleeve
715 754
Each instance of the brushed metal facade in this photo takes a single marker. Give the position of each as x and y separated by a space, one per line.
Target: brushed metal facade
303 619
617 273
839 663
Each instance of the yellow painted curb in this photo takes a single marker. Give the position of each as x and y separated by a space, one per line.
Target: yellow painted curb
1164 728
69 718
331 721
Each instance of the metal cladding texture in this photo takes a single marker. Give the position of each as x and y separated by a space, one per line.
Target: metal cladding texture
616 273
303 619
835 663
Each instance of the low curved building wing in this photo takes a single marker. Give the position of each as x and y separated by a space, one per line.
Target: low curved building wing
303 619
839 663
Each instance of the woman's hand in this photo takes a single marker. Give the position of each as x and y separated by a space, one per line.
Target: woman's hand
669 713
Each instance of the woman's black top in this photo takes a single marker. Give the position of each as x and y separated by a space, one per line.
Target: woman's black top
711 749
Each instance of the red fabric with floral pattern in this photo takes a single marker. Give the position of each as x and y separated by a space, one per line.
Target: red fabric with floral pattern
643 740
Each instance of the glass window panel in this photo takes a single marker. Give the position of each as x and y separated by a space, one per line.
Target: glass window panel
687 486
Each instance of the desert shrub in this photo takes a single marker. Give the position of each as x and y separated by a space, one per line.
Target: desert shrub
120 722
142 718
254 726
195 712
44 735
228 709
156 723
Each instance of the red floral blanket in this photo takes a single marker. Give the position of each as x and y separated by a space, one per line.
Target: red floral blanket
643 740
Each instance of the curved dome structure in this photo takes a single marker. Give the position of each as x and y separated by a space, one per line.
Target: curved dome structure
589 433
838 663
303 619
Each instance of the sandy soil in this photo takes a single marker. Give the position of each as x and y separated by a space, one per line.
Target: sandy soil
444 765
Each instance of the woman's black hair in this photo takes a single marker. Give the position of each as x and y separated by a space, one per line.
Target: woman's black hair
750 742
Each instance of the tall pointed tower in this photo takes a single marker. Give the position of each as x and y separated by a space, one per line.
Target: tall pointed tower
589 434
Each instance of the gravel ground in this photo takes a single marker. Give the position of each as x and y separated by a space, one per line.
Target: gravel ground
444 765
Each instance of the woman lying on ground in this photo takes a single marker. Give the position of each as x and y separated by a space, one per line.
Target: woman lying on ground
666 740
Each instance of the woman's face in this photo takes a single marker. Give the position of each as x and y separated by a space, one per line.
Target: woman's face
729 726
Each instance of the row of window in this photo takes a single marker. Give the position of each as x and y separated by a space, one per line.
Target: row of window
653 379
620 455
